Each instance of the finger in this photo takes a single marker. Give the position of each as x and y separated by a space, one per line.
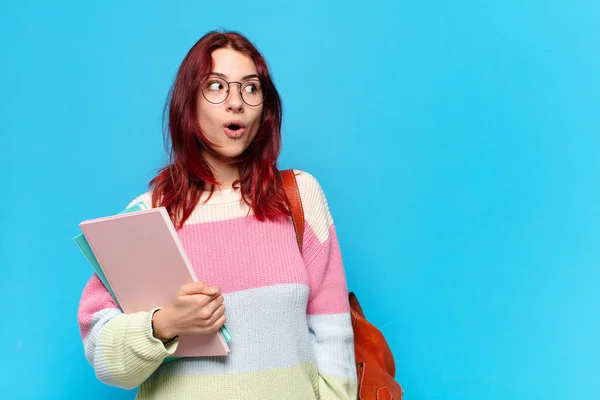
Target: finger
208 308
193 288
199 288
212 327
219 323
216 322
216 301
216 304
202 301
216 315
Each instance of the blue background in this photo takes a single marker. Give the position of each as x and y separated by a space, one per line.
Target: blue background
457 143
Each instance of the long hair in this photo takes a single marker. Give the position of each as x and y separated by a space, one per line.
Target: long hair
179 185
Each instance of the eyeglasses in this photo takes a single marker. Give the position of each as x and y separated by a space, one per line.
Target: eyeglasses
216 90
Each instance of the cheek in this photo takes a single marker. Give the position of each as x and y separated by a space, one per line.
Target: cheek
205 117
257 118
255 127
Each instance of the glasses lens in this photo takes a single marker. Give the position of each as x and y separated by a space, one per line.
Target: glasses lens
252 92
215 90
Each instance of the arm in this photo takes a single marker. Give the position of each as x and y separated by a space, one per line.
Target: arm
328 310
120 347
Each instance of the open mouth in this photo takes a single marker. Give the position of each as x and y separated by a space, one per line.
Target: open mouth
234 129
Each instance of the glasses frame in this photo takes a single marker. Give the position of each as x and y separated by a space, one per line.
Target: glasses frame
229 88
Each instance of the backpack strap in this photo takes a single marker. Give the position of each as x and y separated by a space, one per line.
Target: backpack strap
369 343
293 196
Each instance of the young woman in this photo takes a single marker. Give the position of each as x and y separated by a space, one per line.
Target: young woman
287 311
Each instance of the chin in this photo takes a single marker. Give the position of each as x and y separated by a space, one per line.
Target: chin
231 151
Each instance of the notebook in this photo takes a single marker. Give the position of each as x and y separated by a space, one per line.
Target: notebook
144 264
87 252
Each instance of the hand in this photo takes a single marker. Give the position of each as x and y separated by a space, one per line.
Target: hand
196 309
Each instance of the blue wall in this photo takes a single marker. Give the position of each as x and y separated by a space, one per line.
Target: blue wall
457 143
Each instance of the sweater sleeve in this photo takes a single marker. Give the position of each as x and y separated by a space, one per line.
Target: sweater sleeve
120 347
328 312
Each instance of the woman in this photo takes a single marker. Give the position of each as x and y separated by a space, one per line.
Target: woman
287 312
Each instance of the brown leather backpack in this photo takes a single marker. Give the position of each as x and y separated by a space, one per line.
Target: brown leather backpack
375 367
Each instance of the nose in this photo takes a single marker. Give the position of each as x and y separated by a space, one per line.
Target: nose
234 100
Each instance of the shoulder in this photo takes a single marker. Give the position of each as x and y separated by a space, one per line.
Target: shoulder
308 183
309 187
145 198
314 202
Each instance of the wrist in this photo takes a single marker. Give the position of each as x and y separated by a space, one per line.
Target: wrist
161 328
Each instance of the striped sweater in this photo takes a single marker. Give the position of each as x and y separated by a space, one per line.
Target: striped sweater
287 312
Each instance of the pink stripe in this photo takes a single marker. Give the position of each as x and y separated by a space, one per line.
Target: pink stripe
94 298
328 287
244 253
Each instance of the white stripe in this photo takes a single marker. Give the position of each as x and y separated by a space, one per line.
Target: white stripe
314 203
268 330
219 208
91 344
333 339
225 206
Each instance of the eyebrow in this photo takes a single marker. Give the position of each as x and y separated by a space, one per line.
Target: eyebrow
243 78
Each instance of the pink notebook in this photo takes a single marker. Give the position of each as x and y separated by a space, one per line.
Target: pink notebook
145 264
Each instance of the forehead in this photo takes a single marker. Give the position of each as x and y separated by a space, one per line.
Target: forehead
233 64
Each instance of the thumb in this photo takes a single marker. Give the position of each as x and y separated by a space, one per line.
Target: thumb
212 290
198 288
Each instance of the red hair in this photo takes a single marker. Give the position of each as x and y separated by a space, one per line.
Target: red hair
179 185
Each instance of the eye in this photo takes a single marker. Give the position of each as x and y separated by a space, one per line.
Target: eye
252 88
215 85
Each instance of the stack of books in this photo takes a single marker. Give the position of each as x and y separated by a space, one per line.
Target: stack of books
139 258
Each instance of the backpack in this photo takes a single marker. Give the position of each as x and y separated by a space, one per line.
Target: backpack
375 366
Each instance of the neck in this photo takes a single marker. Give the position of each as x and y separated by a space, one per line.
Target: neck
224 171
